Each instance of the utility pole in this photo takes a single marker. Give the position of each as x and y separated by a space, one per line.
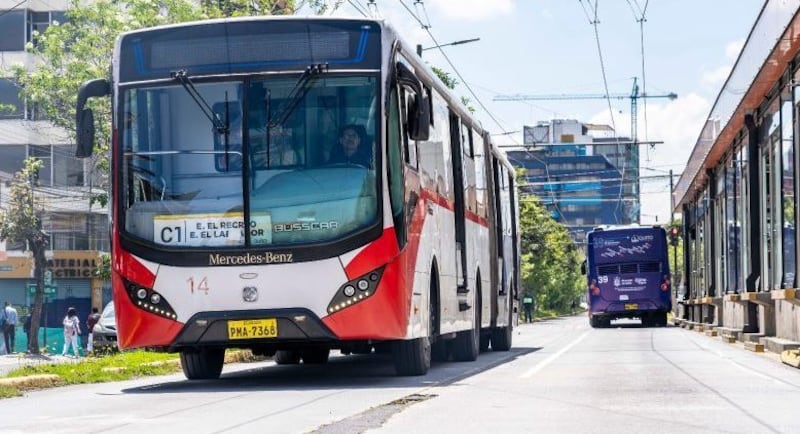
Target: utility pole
671 223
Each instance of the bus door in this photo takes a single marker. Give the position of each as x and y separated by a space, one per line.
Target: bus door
500 221
457 141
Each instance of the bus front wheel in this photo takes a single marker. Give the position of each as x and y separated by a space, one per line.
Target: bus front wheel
412 357
202 364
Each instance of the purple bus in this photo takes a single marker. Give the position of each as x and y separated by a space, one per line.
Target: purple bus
628 275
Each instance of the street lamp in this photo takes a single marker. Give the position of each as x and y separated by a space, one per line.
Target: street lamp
465 41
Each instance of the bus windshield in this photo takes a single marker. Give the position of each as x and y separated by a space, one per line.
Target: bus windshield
199 161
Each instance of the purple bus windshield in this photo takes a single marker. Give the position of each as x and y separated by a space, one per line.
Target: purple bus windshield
628 245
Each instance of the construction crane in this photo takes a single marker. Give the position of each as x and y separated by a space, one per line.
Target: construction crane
634 96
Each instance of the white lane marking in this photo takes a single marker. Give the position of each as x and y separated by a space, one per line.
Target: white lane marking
539 366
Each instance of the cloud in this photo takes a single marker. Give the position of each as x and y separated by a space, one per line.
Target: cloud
733 49
715 77
472 10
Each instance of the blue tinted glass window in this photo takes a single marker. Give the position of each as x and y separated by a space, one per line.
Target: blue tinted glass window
12 30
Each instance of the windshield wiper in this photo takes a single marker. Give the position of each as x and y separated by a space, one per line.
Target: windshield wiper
220 127
183 78
298 92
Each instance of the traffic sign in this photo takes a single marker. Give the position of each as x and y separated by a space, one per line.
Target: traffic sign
48 289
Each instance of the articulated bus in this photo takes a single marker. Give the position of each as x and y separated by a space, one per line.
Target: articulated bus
628 275
237 222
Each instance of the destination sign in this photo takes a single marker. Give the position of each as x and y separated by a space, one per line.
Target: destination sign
211 230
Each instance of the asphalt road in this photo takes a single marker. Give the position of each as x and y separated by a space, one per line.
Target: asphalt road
560 377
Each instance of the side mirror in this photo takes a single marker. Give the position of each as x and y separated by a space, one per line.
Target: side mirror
419 115
85 134
583 267
84 118
422 120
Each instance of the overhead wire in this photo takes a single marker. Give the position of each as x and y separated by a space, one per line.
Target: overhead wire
357 6
427 28
594 21
641 19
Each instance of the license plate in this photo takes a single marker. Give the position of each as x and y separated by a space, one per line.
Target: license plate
253 328
631 306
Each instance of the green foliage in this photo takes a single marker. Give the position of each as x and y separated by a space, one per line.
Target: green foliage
79 50
21 220
121 366
103 271
446 78
450 81
550 259
676 253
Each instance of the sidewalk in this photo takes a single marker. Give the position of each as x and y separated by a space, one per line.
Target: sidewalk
11 362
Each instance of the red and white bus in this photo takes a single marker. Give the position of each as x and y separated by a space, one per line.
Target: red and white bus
237 222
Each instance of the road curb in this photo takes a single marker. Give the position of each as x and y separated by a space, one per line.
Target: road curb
791 358
31 381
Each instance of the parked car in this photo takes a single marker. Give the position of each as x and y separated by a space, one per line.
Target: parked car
104 333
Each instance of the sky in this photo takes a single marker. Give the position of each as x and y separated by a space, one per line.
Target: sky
551 47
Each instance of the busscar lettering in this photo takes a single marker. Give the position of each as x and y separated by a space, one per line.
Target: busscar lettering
304 226
250 259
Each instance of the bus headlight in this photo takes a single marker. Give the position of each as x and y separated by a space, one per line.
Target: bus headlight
347 295
150 301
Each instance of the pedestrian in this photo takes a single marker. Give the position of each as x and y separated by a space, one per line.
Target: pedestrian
91 320
527 303
72 328
573 306
26 327
2 329
10 327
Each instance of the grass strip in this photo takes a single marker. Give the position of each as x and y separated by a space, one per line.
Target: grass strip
117 367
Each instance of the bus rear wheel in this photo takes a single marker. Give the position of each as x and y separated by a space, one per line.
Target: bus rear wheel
598 322
502 336
202 364
467 344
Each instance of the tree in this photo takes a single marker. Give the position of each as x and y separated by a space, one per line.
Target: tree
79 50
22 221
550 259
451 83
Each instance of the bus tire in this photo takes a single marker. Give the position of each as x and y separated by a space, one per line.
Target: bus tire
287 357
315 356
412 357
467 344
660 319
202 364
485 340
502 336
